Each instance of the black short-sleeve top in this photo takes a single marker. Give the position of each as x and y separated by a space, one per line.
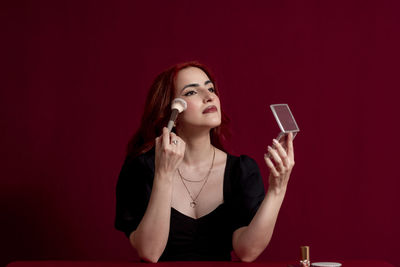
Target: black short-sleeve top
207 238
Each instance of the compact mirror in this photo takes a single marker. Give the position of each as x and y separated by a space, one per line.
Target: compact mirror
285 120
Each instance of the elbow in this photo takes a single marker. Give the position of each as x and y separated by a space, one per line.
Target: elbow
149 259
250 250
248 256
247 259
145 252
249 253
149 256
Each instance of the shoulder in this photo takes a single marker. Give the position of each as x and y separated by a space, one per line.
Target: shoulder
137 167
145 160
242 162
243 173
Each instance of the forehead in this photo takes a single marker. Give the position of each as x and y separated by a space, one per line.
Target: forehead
190 75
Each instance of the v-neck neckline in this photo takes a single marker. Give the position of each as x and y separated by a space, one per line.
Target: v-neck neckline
224 192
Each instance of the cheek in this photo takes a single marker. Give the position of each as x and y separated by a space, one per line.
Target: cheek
217 101
192 106
190 110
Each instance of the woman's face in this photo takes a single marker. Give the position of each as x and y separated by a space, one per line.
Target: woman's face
203 106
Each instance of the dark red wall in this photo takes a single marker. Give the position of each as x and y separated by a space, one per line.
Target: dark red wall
75 74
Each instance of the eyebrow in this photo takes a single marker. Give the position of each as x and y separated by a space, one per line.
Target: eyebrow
195 85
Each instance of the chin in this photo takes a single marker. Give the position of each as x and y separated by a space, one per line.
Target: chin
210 125
216 124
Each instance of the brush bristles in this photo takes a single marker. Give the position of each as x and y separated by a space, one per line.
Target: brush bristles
179 104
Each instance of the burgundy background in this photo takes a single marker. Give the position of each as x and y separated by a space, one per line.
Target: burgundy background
75 75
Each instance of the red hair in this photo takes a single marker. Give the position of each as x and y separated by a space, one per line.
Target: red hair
158 110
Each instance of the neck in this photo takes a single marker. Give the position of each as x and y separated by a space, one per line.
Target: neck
198 146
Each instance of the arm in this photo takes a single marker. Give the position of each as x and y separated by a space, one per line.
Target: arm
250 241
151 235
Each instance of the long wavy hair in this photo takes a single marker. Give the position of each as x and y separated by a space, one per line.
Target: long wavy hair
158 110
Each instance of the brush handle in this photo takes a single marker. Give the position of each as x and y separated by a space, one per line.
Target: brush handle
172 119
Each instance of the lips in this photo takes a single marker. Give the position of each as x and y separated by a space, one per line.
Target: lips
210 109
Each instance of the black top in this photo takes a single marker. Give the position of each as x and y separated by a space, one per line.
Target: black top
207 238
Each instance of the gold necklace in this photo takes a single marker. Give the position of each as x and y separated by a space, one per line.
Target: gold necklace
194 203
201 180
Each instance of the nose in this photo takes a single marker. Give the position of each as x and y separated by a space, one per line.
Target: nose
208 96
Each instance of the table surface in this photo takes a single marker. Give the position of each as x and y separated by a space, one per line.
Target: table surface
345 263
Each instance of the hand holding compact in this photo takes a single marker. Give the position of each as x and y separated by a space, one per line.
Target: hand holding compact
280 162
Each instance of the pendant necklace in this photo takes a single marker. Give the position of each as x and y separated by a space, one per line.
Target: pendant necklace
193 203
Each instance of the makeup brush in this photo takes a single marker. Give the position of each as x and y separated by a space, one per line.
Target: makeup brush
177 106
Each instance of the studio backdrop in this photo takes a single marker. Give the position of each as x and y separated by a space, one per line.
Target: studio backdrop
74 79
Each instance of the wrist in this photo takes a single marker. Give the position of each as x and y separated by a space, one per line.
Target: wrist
277 191
163 177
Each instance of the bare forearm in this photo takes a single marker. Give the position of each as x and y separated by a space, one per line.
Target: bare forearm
150 237
250 241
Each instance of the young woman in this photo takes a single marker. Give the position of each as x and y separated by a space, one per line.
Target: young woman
180 196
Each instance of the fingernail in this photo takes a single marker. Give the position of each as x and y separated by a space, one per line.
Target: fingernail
269 148
275 141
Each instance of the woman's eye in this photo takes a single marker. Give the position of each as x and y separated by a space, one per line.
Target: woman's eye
211 89
189 93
